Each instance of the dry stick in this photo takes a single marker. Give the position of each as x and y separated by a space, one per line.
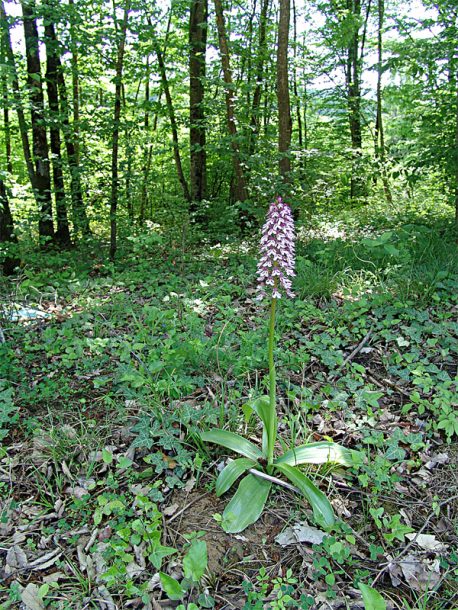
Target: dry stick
180 512
357 349
268 477
350 357
414 539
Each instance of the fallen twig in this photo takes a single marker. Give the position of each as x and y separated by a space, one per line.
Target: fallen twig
414 539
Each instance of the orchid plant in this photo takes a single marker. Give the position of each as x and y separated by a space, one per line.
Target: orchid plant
260 465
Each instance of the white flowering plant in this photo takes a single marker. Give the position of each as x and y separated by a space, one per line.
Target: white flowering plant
275 273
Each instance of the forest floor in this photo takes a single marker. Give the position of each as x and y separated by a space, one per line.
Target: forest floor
105 486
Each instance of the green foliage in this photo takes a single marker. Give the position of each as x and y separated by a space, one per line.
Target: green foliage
8 410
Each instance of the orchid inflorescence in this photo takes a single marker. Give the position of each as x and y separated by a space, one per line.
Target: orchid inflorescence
276 266
258 465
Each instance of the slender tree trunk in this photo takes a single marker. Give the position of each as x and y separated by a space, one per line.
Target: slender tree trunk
353 75
63 231
173 122
284 109
6 110
379 137
262 55
456 158
39 138
147 152
239 188
72 132
17 101
6 230
115 133
197 132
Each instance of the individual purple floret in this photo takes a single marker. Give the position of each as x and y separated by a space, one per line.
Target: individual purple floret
276 266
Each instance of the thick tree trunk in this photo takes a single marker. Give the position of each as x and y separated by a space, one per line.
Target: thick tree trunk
173 122
283 100
115 133
197 131
261 59
39 138
6 230
239 185
52 66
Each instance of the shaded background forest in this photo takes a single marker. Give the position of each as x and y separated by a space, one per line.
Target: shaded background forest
195 113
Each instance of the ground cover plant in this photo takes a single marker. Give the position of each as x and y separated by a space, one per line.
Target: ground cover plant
107 488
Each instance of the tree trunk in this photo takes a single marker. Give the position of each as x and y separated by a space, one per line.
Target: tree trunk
115 133
239 189
173 122
146 152
17 99
39 138
456 158
284 109
262 54
197 131
353 81
6 110
63 231
72 133
379 136
6 230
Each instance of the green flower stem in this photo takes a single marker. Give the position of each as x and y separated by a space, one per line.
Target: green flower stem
272 384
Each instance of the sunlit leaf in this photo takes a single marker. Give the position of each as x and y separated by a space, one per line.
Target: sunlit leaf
232 441
322 509
371 598
171 587
319 453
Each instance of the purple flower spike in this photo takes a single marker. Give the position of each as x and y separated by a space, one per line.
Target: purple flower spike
276 266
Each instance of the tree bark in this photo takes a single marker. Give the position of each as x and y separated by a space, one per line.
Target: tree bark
353 83
39 138
173 122
197 130
379 136
52 67
6 230
115 133
17 100
283 100
262 54
6 110
239 185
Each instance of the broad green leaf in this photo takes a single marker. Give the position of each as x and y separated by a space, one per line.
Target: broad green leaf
232 441
371 598
318 453
322 509
195 560
107 456
171 587
261 406
158 554
231 473
246 504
